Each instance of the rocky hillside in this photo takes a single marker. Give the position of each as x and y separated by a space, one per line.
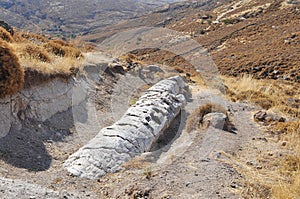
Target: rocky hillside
203 102
242 37
72 17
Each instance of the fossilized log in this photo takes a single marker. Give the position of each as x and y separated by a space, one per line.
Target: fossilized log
133 134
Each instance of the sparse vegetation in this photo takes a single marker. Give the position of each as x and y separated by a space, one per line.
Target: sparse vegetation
62 49
6 36
288 185
11 73
277 178
34 52
280 96
132 101
202 31
228 21
148 173
281 181
46 56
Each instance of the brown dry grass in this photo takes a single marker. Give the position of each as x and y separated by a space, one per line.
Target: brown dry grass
289 169
49 57
279 178
62 49
33 52
11 73
6 36
280 96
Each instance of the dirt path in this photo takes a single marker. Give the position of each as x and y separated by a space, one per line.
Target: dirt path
192 165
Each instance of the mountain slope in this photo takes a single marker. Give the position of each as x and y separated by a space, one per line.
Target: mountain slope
71 16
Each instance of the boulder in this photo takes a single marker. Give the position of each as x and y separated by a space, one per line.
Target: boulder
216 120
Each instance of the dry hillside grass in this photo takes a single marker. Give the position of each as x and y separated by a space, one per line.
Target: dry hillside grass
11 73
6 36
280 96
260 39
49 57
278 177
37 55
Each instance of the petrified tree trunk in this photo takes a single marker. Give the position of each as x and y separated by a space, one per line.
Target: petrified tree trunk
133 134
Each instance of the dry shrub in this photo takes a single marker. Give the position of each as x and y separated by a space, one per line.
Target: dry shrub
55 49
18 37
89 48
11 73
195 119
6 36
130 58
62 49
73 52
34 52
256 97
179 69
32 37
61 42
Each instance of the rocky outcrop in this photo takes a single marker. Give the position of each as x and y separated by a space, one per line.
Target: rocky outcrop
133 134
38 103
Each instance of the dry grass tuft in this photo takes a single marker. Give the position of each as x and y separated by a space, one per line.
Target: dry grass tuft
195 119
26 36
34 52
62 49
11 73
6 36
45 56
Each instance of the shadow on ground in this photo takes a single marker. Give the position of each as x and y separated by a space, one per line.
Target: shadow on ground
26 148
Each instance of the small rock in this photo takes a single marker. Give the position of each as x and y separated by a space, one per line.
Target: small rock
267 117
234 185
260 116
250 163
216 120
205 17
284 143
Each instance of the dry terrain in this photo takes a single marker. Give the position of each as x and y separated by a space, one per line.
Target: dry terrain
255 46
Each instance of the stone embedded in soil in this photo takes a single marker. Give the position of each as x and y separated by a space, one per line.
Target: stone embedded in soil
133 134
216 120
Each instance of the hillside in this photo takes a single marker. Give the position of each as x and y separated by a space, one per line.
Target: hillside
70 18
201 102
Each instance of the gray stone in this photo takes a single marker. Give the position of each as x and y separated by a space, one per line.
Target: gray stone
5 118
216 120
133 134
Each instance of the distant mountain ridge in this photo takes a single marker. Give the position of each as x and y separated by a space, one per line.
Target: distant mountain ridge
72 17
